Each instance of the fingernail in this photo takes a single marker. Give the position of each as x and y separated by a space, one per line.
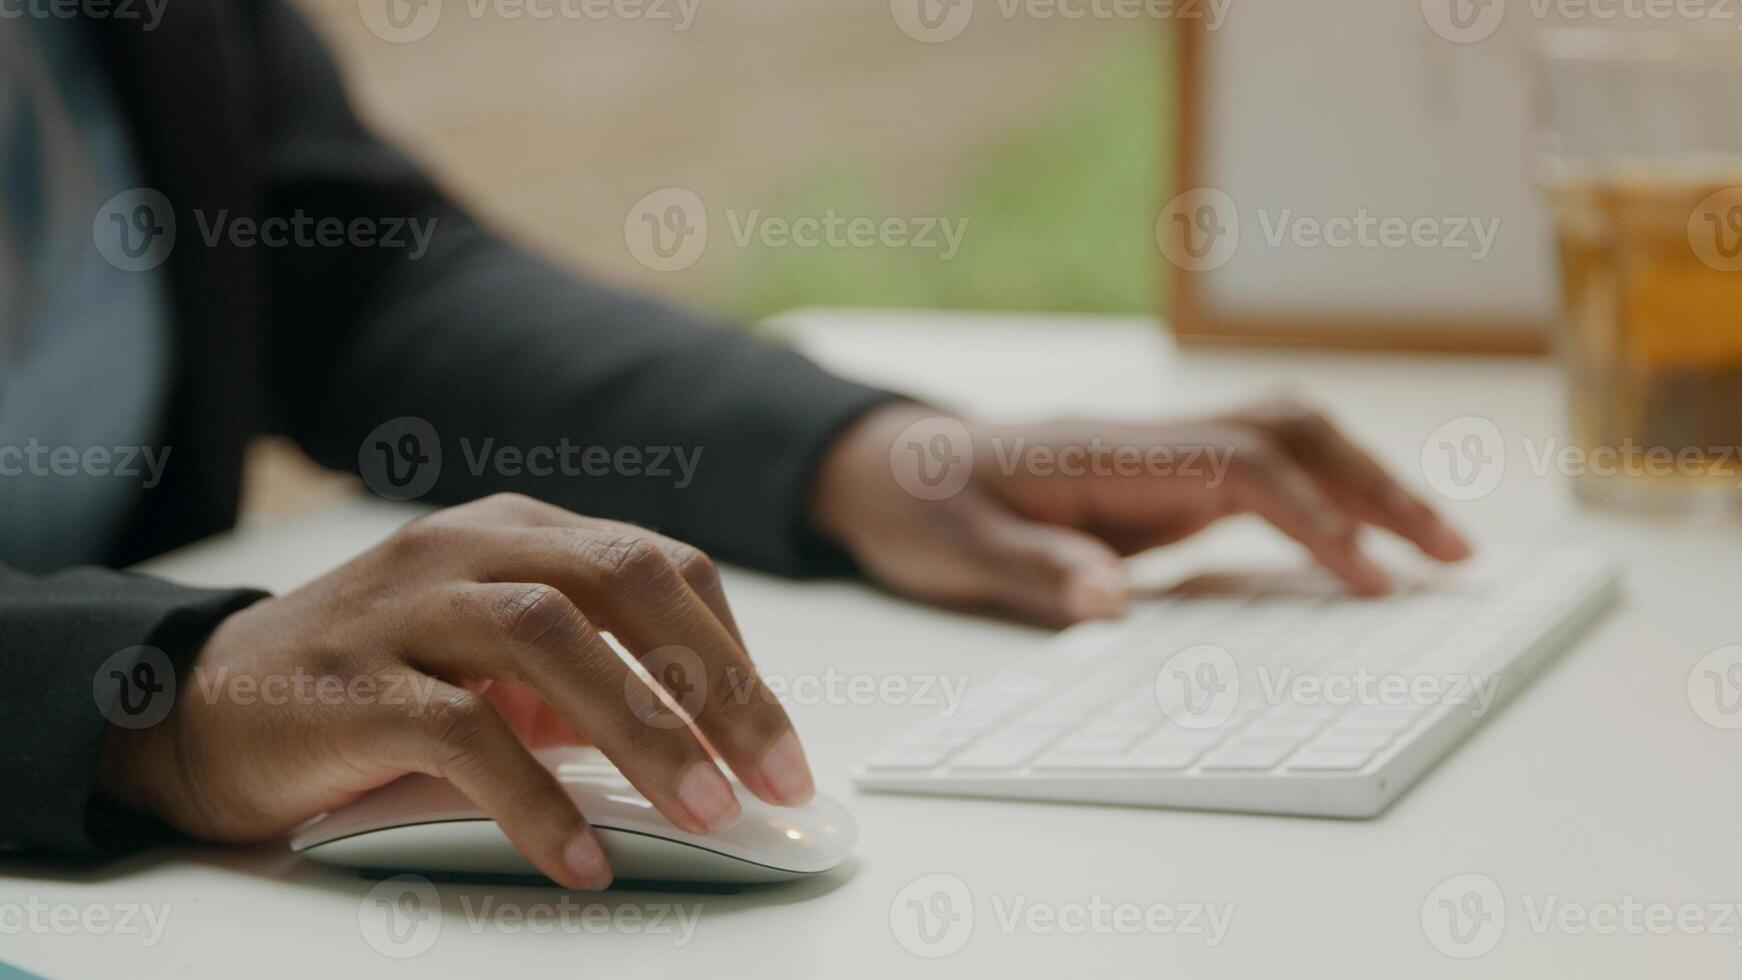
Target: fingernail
1095 592
1372 579
1452 544
1332 524
708 798
786 772
587 862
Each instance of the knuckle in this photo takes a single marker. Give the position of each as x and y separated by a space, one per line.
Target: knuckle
1305 424
1287 417
693 564
514 507
1254 455
595 665
423 538
459 724
661 746
632 560
737 691
532 617
508 503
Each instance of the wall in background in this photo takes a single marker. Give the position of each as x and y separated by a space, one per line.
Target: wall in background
1042 131
1039 140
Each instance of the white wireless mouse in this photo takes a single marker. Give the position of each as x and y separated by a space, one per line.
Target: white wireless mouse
422 824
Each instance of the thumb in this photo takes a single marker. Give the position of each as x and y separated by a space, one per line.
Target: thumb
1050 573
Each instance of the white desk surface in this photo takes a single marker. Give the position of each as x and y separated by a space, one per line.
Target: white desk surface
1599 785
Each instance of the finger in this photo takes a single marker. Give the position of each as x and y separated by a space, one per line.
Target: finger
457 736
627 582
1362 485
532 633
1275 488
1052 574
704 579
537 724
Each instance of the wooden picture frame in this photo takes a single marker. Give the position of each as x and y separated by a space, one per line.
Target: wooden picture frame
1197 317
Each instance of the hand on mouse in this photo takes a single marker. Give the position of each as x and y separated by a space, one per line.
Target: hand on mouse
449 649
1033 519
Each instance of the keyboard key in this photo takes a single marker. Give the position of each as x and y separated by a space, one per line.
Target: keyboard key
1090 704
1155 763
1008 749
1173 736
1100 743
1355 738
1285 726
1384 718
1243 755
1311 712
1329 759
909 758
1158 758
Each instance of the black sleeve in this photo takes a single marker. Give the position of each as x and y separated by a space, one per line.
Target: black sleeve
78 649
494 349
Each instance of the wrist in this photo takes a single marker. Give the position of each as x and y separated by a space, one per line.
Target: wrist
142 769
130 767
855 471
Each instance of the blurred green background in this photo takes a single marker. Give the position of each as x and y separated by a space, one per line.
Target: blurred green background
1061 214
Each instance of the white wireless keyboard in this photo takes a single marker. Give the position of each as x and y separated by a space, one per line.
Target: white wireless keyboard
1281 702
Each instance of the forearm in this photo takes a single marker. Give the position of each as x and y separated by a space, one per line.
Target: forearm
607 404
70 644
533 379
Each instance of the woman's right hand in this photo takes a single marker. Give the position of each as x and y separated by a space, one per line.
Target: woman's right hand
486 621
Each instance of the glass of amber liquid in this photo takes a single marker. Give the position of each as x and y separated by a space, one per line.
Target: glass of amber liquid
1641 158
